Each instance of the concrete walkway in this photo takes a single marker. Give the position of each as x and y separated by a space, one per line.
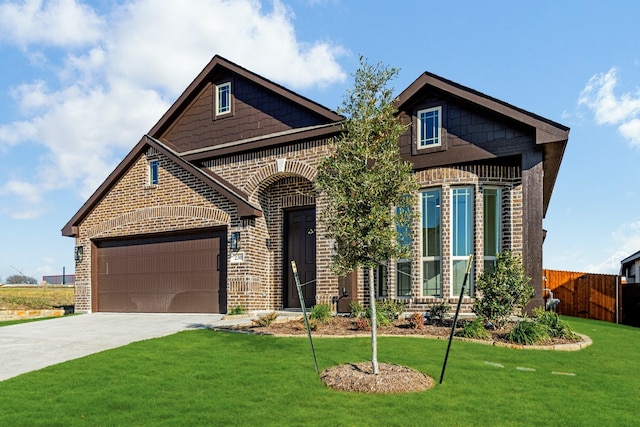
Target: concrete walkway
31 346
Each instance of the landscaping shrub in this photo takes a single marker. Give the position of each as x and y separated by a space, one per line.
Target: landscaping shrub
556 327
391 309
416 321
265 319
362 324
313 324
238 309
503 289
438 310
382 317
473 329
321 313
356 309
528 332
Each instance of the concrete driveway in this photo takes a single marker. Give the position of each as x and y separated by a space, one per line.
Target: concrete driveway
31 346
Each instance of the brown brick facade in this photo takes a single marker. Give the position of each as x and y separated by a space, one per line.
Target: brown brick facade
241 172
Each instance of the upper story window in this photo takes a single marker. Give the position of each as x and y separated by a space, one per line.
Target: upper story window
429 127
153 172
223 98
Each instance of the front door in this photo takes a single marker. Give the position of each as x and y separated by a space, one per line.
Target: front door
300 246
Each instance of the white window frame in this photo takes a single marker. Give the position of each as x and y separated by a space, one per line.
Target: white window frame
436 141
430 258
220 90
460 258
487 257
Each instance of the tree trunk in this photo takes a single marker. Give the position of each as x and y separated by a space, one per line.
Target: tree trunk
374 326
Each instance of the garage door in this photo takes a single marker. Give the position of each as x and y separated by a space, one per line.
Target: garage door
165 274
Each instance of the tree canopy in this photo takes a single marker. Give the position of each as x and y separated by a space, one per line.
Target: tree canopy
19 279
368 186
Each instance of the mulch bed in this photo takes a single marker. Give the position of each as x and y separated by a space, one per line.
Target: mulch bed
359 377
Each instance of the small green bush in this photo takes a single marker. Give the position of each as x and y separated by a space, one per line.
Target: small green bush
382 317
503 289
556 327
265 319
238 309
356 309
321 313
528 332
473 329
391 309
439 310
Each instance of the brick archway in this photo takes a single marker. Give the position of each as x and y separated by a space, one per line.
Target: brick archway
209 216
274 171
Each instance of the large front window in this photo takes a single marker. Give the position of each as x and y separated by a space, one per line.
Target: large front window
492 232
403 266
431 243
462 237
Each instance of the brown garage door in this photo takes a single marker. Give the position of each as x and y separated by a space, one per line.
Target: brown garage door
164 274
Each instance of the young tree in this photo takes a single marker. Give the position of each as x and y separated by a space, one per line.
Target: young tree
368 187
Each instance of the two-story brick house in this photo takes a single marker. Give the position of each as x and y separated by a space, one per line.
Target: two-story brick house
210 206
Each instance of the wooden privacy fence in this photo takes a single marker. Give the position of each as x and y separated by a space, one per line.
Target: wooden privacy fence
591 296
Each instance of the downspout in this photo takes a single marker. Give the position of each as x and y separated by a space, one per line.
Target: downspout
617 301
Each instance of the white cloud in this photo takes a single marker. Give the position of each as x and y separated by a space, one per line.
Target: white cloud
51 22
121 72
627 242
608 108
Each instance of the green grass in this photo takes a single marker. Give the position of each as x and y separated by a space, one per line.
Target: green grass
15 322
215 378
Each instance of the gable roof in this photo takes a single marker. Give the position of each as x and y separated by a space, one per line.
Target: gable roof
552 137
630 258
235 195
219 64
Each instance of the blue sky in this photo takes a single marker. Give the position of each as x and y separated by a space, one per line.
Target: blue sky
82 81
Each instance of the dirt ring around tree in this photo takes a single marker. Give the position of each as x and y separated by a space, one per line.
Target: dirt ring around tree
359 378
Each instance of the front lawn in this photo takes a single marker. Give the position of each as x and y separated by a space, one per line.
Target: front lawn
216 378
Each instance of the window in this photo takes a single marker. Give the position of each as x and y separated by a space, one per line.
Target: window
403 266
429 126
492 230
223 99
380 281
153 172
431 243
461 237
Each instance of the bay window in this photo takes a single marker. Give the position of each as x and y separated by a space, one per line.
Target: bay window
461 237
431 243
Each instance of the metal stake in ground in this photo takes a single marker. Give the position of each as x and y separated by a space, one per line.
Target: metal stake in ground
304 311
455 317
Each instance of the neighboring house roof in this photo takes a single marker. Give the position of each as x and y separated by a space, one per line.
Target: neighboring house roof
631 258
235 195
551 136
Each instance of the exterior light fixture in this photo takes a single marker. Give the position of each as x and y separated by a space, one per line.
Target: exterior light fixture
235 241
78 252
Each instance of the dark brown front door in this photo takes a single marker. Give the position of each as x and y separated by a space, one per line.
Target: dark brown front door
163 274
300 246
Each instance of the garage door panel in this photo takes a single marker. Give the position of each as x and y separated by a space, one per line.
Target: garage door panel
165 274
